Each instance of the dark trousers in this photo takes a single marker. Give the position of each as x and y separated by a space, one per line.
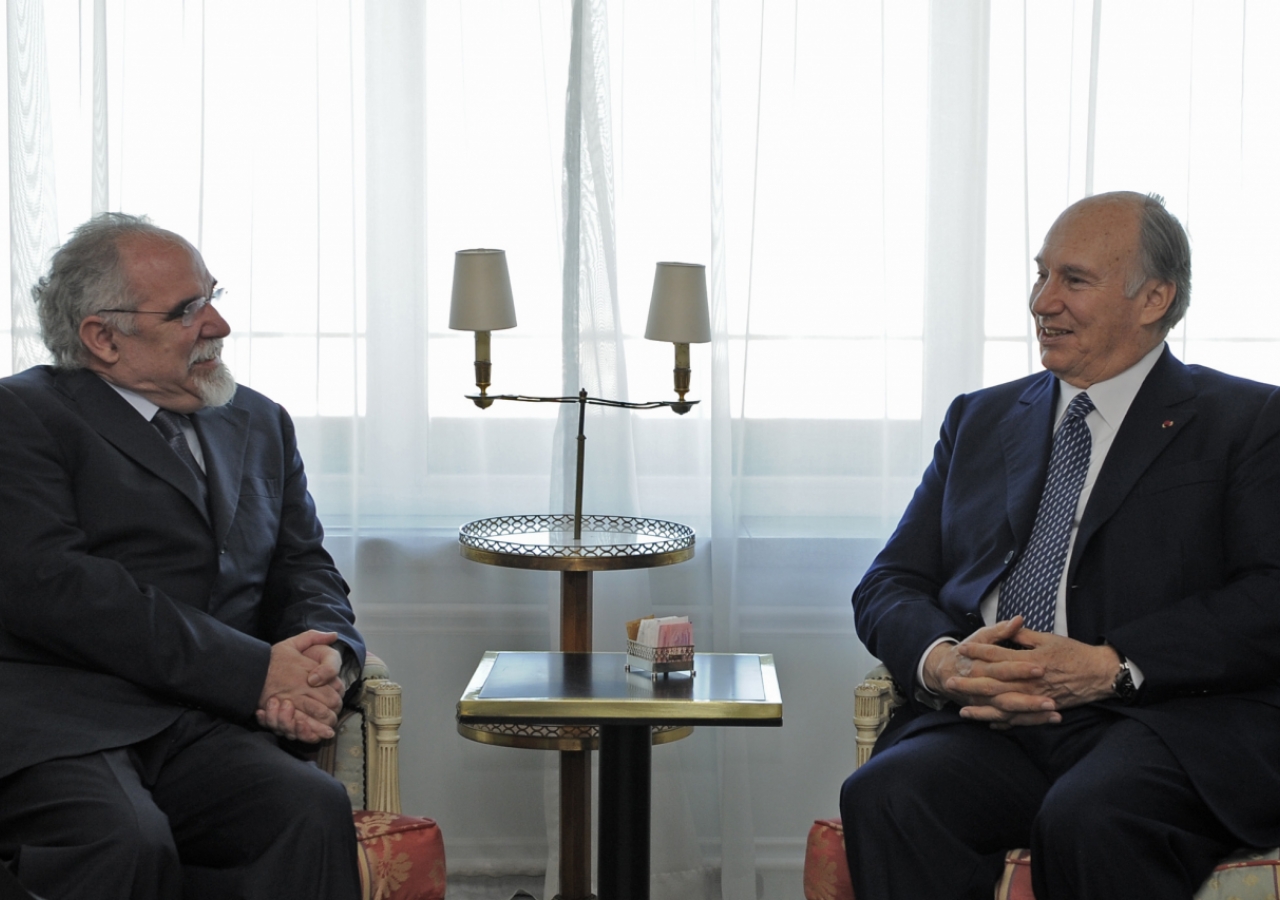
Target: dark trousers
205 809
1104 806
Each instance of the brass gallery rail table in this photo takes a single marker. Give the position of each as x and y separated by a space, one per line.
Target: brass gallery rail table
576 546
578 689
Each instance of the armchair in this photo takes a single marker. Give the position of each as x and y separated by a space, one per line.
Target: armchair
401 857
1248 875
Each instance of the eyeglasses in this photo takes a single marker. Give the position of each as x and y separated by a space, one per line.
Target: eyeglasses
186 313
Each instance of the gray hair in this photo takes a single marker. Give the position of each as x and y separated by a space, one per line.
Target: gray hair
1164 254
85 276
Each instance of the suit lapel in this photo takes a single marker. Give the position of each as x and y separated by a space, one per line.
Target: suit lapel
111 416
224 435
1166 396
1027 434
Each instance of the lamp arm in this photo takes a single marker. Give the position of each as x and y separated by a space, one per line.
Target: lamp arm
485 400
591 401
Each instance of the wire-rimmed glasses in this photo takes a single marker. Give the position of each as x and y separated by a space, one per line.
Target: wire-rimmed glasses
186 313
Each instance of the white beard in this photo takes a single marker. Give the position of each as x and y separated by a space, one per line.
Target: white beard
216 386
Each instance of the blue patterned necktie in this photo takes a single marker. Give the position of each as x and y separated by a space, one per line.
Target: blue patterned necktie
1031 587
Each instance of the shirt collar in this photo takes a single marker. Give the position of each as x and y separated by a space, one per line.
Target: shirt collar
1113 397
145 407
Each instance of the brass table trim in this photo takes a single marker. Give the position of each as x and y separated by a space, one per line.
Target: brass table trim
621 710
484 541
556 737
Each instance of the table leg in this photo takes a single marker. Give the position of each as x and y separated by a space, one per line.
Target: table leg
575 825
575 612
575 765
622 864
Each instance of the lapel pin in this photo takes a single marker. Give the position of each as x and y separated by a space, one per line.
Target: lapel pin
1168 423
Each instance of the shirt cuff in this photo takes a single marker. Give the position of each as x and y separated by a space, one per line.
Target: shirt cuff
351 669
1136 673
923 694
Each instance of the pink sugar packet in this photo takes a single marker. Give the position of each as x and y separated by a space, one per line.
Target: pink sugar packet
675 634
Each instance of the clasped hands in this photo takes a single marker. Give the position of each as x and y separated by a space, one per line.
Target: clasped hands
1026 685
303 692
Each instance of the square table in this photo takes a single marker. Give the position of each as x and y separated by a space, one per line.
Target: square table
596 689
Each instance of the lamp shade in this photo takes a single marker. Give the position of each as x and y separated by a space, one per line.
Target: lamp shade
481 292
678 309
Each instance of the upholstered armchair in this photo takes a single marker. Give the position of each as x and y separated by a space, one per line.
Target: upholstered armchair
1245 876
401 857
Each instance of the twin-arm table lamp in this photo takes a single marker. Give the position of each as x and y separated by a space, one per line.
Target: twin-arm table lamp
574 545
482 302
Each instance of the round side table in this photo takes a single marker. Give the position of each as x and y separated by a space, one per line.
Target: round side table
547 543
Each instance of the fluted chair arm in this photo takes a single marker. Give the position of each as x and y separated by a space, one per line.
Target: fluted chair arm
381 705
873 700
365 753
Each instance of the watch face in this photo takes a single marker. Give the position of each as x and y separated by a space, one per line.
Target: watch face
1124 686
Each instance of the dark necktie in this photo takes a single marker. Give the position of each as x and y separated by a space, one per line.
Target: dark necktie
169 424
1031 587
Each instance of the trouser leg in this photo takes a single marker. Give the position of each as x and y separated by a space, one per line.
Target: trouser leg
1125 821
86 827
205 809
251 821
933 815
11 888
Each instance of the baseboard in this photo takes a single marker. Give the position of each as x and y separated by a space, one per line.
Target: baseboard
493 857
780 854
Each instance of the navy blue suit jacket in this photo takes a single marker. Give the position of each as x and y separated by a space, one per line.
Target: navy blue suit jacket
124 599
1176 564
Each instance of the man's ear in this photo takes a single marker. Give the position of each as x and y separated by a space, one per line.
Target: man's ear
1157 296
99 338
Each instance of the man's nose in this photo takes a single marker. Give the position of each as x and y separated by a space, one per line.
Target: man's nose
1045 299
212 325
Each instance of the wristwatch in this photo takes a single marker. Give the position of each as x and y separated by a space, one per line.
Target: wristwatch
1123 687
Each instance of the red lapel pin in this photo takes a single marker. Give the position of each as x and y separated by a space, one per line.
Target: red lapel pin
1168 423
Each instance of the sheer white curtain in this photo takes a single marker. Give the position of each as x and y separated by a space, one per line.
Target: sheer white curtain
866 183
1075 112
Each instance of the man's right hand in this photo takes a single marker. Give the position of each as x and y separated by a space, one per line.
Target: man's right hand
289 705
1004 693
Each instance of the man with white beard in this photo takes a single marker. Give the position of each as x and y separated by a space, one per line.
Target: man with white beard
171 627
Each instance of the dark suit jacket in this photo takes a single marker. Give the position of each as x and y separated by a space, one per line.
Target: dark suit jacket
1176 564
123 600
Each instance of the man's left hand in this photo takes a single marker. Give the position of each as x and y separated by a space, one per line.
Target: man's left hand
328 670
1075 673
303 692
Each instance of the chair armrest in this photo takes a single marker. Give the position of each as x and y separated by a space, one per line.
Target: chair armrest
365 755
380 702
873 700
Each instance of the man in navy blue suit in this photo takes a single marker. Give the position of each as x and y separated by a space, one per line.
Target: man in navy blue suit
171 626
1081 604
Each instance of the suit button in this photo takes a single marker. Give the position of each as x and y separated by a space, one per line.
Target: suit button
973 620
1010 556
